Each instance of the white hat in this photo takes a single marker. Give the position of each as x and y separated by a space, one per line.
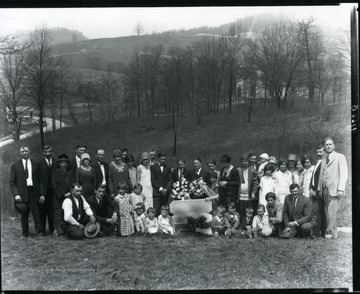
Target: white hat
264 156
85 156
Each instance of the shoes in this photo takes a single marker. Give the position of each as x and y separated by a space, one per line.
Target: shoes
24 236
56 234
216 234
311 237
328 236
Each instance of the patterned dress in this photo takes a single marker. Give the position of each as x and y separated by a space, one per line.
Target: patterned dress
126 224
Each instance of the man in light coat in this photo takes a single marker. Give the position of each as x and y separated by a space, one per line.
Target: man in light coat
335 175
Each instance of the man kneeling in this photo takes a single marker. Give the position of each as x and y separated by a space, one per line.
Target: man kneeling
76 214
298 214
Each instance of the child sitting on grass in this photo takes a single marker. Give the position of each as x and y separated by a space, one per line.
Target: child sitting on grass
126 224
165 221
260 225
246 224
137 195
234 220
220 223
151 224
139 218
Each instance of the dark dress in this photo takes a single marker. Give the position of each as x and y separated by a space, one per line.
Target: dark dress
229 192
87 181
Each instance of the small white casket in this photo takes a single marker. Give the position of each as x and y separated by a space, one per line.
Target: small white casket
181 209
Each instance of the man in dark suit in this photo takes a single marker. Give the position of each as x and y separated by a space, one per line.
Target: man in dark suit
152 154
25 185
180 171
105 210
101 170
316 192
75 162
46 210
298 214
62 180
198 171
161 182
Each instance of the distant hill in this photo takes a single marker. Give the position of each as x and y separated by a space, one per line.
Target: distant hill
100 54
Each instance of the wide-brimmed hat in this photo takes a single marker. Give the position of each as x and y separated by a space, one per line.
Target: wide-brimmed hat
264 156
85 156
144 155
63 157
292 157
92 229
20 207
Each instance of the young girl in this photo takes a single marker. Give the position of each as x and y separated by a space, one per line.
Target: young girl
151 224
234 220
126 224
137 195
268 183
246 223
214 188
130 161
139 218
220 223
260 225
165 221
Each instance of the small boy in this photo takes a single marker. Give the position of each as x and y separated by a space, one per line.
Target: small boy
220 223
246 224
260 225
234 220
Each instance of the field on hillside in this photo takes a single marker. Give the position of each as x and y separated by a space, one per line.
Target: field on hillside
274 132
184 261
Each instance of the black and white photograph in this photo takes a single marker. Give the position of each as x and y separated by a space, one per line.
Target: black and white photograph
178 148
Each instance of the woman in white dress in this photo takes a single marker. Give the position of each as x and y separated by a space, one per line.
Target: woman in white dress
143 177
285 179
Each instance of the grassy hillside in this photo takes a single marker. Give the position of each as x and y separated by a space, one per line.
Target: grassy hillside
117 49
276 133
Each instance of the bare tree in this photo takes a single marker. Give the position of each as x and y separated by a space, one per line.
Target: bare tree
232 47
8 44
112 91
277 53
40 69
133 77
13 68
313 46
139 29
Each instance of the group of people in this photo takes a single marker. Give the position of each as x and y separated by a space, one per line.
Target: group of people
81 197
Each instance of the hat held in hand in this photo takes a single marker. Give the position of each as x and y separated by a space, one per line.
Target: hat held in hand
92 229
20 207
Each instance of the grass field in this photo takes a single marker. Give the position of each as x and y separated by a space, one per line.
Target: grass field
184 261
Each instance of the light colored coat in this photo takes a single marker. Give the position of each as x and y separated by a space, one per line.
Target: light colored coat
336 173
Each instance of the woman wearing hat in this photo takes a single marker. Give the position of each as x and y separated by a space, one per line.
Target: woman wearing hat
118 173
143 177
62 179
228 182
85 176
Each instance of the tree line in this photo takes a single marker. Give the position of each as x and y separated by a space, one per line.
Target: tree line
214 73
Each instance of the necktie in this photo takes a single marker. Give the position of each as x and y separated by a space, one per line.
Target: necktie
293 209
327 159
26 168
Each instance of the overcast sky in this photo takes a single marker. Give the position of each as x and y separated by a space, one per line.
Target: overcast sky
117 22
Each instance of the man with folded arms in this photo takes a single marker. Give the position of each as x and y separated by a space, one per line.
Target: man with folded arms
104 210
